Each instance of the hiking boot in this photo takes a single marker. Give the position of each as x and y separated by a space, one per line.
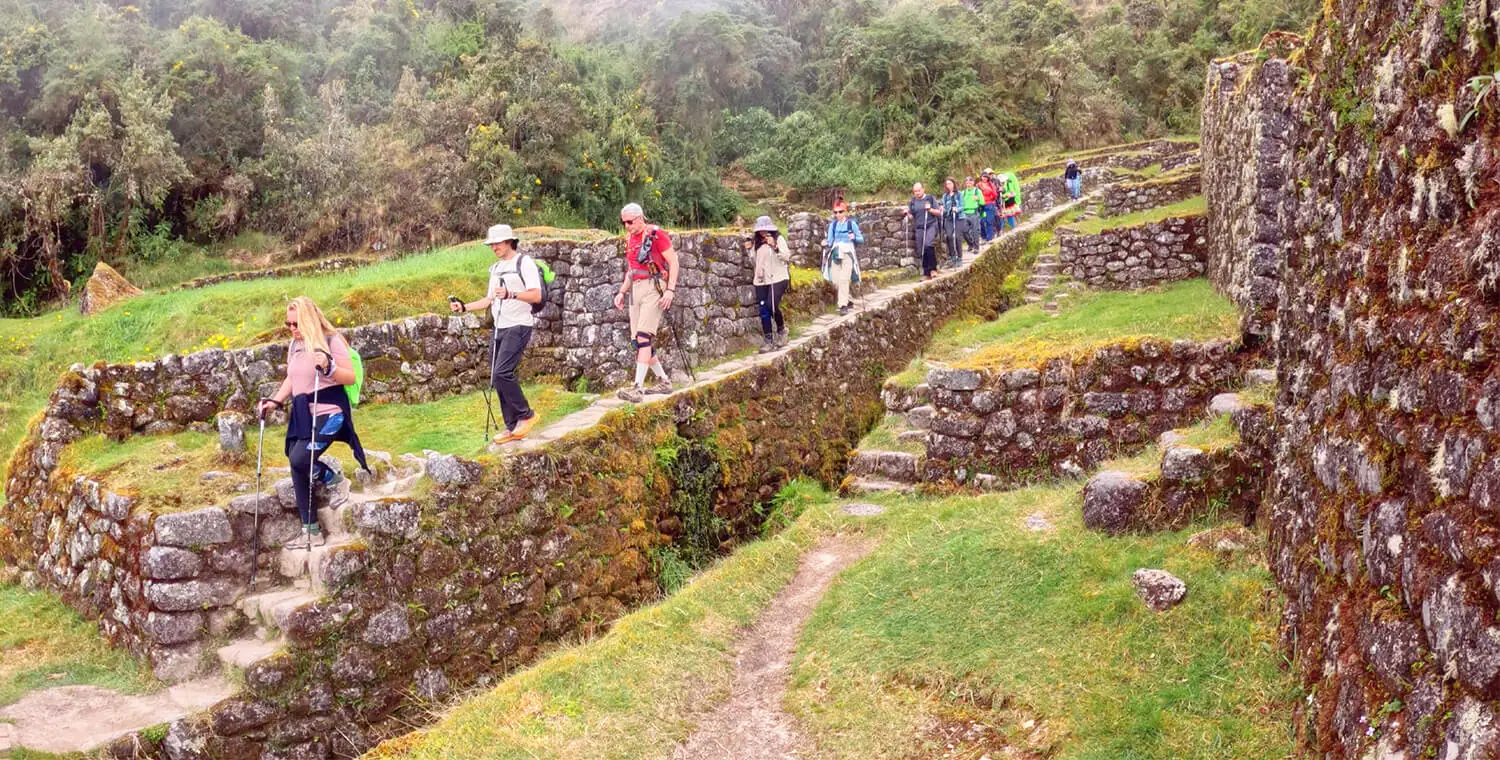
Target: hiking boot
310 538
505 437
633 394
843 310
662 388
523 427
781 337
769 346
329 477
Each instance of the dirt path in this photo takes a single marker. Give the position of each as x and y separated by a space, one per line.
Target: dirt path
752 725
80 718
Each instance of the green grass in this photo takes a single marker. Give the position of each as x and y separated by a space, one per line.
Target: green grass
885 437
959 600
636 691
164 472
1195 206
43 643
1026 336
33 352
959 611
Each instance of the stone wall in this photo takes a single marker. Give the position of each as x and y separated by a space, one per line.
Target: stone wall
1247 126
1179 160
1046 192
886 245
1127 258
1135 156
1383 504
1131 197
325 266
1066 416
503 556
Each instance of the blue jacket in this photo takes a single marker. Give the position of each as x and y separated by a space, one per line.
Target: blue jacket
847 232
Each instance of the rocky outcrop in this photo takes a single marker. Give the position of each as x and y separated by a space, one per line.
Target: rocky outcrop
1247 130
1129 258
105 288
1065 416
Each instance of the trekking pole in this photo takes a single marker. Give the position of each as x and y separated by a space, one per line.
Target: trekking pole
255 540
910 243
312 459
488 406
686 360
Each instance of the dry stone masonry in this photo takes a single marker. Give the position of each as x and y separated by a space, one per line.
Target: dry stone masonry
1066 416
1248 103
1347 168
1129 258
1131 197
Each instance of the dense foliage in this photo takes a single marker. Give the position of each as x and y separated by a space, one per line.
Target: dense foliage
135 133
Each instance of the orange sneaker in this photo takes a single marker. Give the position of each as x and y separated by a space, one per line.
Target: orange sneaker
523 427
505 437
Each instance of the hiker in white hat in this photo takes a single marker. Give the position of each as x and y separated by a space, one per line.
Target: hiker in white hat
515 286
771 280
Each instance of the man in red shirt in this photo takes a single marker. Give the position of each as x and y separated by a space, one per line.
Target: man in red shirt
650 297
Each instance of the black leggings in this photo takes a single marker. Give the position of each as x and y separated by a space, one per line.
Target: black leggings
300 458
770 296
929 259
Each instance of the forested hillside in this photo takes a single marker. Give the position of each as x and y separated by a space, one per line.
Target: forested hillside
157 133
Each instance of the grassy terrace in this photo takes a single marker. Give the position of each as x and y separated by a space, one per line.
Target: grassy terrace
1195 206
1028 336
44 644
960 615
164 472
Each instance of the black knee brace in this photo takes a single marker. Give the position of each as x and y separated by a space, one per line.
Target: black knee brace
643 340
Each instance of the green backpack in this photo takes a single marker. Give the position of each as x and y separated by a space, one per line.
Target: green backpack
359 377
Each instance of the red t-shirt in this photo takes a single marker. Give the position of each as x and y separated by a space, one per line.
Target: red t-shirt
660 242
987 189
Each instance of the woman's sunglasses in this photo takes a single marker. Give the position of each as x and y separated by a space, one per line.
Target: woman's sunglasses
291 325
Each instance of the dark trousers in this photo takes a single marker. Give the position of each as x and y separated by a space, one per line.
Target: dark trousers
301 458
929 259
505 353
769 297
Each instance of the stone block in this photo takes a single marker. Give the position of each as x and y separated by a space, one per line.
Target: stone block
1110 501
203 527
165 563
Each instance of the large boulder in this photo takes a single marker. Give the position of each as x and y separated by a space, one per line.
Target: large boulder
106 287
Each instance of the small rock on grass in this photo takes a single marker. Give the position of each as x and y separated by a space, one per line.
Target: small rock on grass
863 510
1226 540
1225 403
1159 589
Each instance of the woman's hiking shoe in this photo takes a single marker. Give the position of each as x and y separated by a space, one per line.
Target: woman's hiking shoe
633 394
663 388
769 346
781 338
843 310
310 538
523 427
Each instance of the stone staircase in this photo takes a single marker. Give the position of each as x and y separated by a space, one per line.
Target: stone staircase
300 576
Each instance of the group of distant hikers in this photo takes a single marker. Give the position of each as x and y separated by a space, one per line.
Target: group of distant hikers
322 368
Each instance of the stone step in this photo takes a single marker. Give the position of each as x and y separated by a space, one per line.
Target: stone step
311 564
1043 259
271 608
1036 288
1045 267
896 466
242 653
1033 298
871 485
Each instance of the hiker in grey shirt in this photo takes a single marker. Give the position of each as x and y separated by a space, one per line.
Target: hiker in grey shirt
926 213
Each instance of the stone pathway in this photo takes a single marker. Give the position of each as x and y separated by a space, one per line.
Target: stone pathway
588 417
1044 274
752 725
80 718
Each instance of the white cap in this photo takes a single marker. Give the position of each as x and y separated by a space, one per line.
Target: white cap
499 234
632 210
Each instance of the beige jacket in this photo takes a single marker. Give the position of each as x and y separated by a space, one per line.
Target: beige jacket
771 263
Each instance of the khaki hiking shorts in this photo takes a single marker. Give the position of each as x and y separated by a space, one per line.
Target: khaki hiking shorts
645 308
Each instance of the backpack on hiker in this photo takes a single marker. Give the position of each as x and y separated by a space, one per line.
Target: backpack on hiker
546 275
356 362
